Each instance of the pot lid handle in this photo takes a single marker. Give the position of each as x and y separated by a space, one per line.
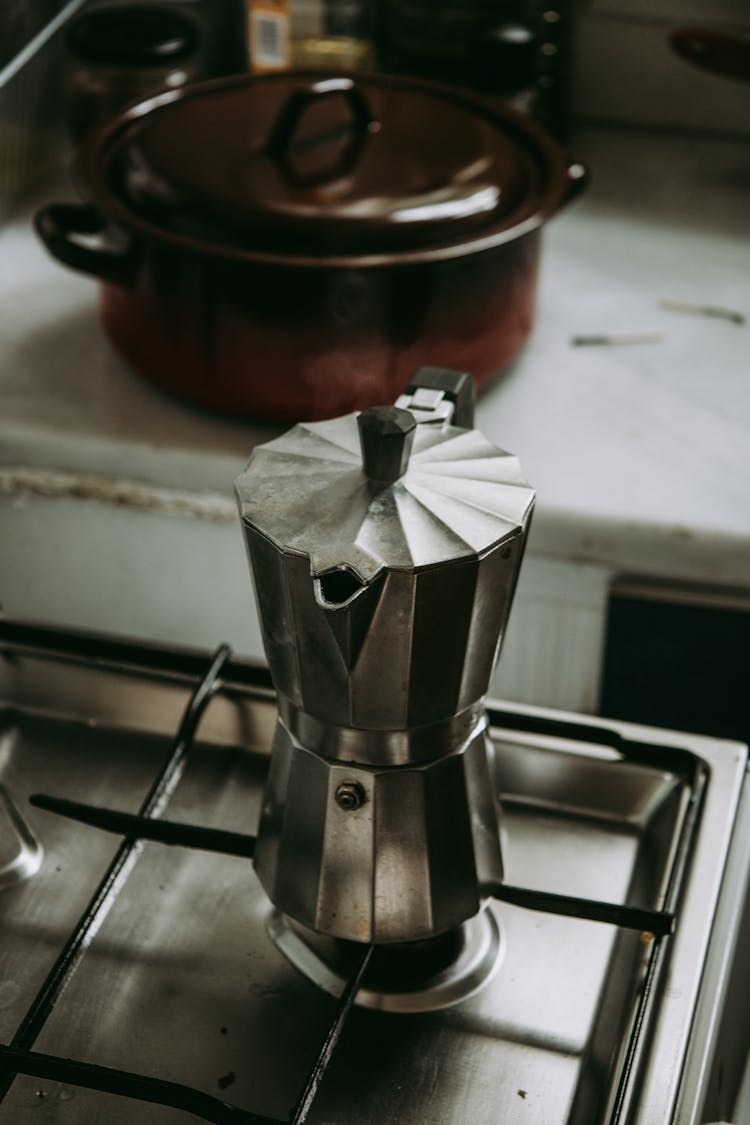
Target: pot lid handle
360 123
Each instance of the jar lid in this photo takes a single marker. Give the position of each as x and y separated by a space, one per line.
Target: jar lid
458 496
132 35
303 164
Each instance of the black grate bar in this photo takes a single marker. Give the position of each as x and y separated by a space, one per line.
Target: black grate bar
171 771
148 828
117 872
648 992
657 922
316 1075
18 640
128 1085
630 749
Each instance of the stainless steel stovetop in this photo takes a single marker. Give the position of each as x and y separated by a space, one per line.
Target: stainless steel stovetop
160 961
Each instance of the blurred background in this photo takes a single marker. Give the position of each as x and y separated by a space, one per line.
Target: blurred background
579 61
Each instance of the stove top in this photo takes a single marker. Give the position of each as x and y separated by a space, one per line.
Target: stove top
146 970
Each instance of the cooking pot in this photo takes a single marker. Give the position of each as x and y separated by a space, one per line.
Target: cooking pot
293 246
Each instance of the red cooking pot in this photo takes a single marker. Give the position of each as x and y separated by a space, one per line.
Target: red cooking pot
294 246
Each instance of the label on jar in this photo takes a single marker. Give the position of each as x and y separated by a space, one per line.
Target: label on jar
269 41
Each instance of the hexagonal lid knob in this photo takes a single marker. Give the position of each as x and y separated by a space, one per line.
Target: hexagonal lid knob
386 435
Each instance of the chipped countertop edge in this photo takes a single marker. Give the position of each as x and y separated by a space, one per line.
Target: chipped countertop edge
648 551
667 554
183 470
22 482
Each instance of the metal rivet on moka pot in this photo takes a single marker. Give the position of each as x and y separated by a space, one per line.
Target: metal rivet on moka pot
385 548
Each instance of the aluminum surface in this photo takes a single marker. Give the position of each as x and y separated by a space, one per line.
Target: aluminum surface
382 618
414 855
459 496
386 611
182 980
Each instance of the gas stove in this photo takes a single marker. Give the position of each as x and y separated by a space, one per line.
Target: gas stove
152 979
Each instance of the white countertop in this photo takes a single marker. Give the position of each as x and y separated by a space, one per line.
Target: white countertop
640 454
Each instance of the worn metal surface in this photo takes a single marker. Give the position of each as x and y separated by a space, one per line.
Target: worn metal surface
416 856
385 611
183 981
382 618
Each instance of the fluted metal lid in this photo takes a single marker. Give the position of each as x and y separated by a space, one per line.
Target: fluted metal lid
308 493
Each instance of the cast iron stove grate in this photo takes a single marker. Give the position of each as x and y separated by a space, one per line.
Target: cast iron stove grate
20 1058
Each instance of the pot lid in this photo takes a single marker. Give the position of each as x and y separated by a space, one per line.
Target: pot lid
309 492
301 163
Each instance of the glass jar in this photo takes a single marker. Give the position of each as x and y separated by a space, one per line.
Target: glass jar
310 34
120 54
332 35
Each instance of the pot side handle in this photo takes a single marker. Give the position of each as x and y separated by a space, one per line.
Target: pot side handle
716 51
79 235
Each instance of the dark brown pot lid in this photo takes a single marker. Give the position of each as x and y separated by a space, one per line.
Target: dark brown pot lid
312 164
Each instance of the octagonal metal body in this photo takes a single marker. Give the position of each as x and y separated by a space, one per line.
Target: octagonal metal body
383 605
415 859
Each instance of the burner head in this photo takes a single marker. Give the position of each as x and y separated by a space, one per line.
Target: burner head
385 548
417 976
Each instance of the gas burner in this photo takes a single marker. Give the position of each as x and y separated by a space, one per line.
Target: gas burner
416 976
21 854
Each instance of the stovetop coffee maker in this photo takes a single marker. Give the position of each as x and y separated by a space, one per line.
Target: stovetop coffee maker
385 548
